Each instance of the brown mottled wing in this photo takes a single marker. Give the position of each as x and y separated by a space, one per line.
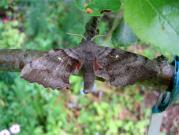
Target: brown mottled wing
121 68
52 70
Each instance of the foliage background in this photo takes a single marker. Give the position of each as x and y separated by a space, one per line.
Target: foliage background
42 25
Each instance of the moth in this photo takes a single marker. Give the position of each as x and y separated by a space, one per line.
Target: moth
117 67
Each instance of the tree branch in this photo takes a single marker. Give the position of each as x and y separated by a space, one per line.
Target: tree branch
91 28
156 69
15 59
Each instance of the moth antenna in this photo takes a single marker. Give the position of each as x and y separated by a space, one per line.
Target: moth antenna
97 36
78 35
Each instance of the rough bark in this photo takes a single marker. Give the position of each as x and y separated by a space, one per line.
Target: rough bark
15 59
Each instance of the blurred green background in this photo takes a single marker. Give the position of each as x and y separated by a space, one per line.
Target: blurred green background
42 25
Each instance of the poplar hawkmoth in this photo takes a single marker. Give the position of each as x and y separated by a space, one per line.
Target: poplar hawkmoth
116 66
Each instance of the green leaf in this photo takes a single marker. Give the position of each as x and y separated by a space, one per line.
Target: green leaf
155 22
96 6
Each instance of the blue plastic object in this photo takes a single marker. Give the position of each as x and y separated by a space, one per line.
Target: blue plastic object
172 94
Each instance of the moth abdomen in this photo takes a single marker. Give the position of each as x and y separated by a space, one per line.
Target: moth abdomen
89 77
